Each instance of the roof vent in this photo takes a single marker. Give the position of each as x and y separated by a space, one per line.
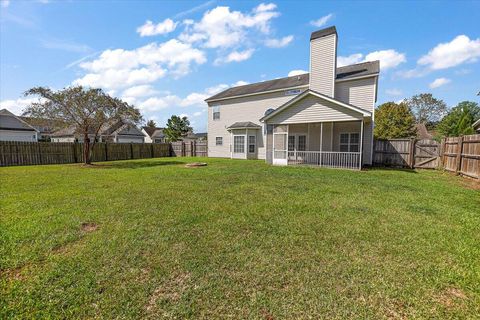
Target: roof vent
268 111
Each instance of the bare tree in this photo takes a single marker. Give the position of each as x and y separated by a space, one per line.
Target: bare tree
88 110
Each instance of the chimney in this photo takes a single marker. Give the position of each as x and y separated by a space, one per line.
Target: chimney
323 61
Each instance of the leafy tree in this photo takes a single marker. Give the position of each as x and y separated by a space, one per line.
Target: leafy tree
85 109
177 128
394 121
151 124
459 120
426 108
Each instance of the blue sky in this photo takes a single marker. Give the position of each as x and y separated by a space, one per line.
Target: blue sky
166 57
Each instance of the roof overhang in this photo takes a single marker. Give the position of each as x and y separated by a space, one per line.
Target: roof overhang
476 124
364 113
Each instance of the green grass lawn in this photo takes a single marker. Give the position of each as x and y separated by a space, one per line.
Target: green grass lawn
236 239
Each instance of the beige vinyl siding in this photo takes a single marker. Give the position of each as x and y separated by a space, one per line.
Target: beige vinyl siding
323 64
250 108
314 109
360 93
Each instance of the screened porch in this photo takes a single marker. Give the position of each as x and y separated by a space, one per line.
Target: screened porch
323 144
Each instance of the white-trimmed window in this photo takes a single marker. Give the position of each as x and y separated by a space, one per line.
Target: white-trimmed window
219 141
350 142
238 144
216 113
251 144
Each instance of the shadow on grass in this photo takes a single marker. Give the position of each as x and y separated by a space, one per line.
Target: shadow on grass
408 170
132 164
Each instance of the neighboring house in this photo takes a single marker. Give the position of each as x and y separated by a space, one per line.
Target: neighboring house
153 134
45 127
13 128
117 131
476 126
322 118
195 137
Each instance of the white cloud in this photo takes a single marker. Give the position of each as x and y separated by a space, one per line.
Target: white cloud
296 72
348 60
119 68
222 28
240 83
194 99
4 3
17 106
322 21
393 92
235 56
64 45
439 82
139 91
279 43
388 58
450 54
412 73
197 114
151 29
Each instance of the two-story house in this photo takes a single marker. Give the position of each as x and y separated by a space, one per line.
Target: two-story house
323 118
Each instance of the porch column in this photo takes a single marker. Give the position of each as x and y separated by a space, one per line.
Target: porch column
321 142
361 145
231 144
246 144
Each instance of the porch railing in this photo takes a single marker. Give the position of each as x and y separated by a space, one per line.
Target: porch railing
331 159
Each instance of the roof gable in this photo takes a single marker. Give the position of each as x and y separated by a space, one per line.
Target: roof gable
318 95
364 69
10 121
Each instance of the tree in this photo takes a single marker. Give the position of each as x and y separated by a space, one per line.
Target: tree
177 128
426 108
394 121
151 124
85 109
459 120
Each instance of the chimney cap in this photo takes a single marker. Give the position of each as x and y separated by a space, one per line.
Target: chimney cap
323 33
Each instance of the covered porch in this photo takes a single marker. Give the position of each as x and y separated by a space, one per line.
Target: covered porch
323 144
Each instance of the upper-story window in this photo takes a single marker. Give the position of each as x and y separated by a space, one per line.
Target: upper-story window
216 113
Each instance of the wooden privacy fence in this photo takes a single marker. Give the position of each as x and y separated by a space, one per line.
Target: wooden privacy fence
457 154
14 153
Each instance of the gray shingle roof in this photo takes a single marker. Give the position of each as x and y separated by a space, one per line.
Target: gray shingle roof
245 124
281 83
358 70
9 121
323 33
347 72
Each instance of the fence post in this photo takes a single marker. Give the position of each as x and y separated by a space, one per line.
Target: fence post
183 153
75 157
191 149
442 153
151 149
412 153
131 150
459 154
106 151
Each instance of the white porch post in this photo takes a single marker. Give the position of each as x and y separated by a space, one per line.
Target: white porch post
321 142
286 152
361 145
231 144
246 144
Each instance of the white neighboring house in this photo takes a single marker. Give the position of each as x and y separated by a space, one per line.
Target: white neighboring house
322 118
117 132
13 128
153 135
